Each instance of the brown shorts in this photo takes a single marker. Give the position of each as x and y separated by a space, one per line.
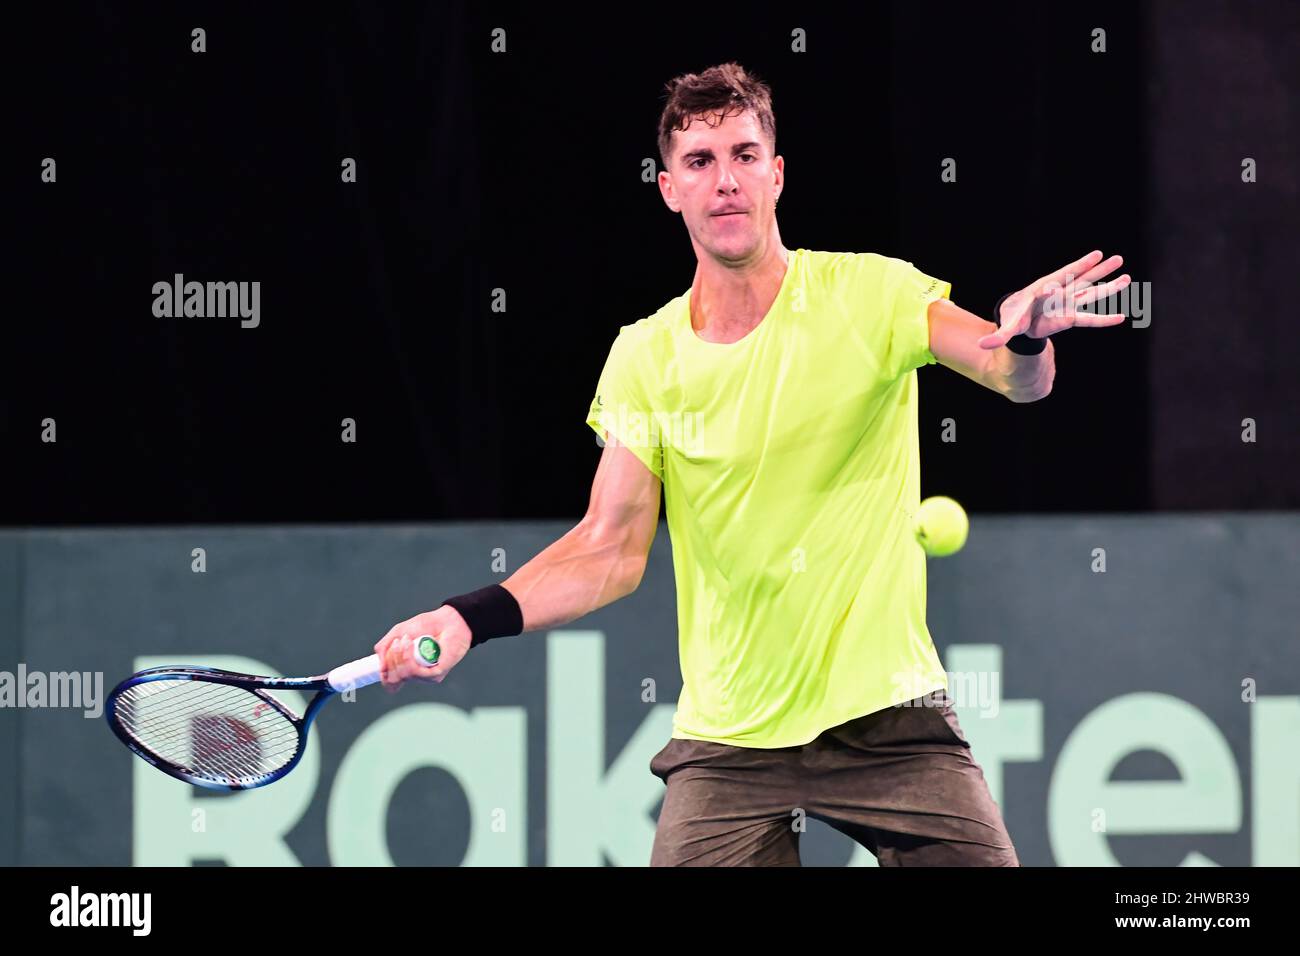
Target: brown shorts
900 781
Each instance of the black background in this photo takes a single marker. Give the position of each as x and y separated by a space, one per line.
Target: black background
522 171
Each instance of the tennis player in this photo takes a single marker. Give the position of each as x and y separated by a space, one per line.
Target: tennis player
775 403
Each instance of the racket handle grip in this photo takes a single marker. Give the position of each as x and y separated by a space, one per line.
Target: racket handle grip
364 672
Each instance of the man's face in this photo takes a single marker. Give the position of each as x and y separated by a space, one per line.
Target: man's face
724 181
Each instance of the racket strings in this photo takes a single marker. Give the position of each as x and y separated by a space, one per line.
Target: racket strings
208 729
213 738
162 730
198 700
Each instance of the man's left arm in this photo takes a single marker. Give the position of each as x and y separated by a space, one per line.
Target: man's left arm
977 349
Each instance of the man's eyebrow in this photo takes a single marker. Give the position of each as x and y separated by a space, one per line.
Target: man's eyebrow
706 153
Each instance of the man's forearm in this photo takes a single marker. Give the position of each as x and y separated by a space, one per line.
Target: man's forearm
582 571
1023 378
955 337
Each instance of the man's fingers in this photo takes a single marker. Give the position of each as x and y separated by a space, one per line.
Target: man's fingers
381 650
1077 268
397 663
381 645
1012 327
1101 269
994 340
1103 291
390 662
1006 331
401 651
1084 320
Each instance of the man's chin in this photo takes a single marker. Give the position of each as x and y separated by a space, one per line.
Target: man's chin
734 248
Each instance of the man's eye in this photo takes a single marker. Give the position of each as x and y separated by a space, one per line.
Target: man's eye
695 162
748 156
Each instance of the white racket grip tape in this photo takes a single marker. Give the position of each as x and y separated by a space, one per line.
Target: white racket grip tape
366 671
360 673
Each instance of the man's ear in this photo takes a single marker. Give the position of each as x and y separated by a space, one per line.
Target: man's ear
667 191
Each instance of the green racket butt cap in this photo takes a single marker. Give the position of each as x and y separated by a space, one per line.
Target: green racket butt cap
428 649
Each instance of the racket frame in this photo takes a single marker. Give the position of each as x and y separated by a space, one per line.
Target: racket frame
366 671
214 675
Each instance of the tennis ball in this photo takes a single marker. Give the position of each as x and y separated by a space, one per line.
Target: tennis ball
941 526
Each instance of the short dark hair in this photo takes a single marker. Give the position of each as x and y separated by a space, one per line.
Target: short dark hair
725 89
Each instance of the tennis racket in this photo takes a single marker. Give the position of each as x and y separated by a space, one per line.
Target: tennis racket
222 730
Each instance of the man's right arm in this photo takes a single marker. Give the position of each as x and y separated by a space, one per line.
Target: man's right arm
597 562
603 557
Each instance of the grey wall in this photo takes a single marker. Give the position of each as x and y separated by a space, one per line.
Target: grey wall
1109 716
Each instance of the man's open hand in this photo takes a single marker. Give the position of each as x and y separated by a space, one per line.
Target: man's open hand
1052 303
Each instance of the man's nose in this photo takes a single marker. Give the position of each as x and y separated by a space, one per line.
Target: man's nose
726 182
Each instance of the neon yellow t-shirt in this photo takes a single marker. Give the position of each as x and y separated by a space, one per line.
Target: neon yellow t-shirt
791 471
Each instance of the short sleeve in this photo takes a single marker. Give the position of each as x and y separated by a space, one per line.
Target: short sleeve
908 293
624 409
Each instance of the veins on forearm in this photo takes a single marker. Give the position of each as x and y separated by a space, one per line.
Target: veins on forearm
569 579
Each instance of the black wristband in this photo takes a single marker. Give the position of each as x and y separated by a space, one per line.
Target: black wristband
490 612
1020 344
